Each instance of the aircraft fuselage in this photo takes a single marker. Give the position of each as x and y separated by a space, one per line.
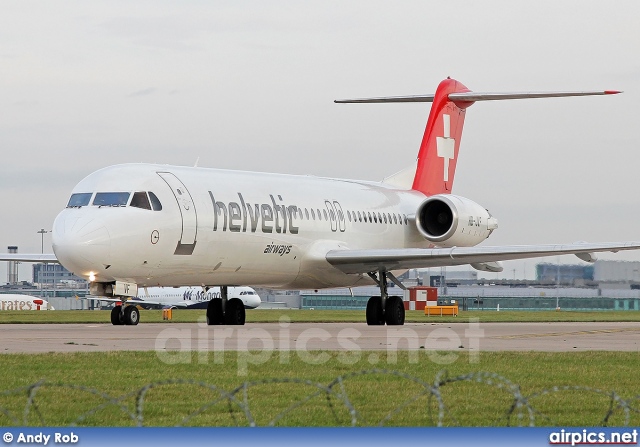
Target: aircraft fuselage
220 227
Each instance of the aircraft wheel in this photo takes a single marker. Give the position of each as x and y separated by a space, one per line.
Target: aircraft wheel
234 313
131 315
115 316
375 315
394 311
214 312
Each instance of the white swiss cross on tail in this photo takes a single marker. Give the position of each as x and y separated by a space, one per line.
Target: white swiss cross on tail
446 145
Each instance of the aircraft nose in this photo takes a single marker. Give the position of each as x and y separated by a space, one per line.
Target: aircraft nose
81 244
253 301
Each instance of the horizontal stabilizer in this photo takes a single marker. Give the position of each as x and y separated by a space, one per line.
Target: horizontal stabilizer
476 96
419 98
473 96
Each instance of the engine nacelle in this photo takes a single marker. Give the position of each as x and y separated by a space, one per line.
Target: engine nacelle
448 221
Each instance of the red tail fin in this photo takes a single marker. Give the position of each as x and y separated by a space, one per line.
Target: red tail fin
439 149
438 154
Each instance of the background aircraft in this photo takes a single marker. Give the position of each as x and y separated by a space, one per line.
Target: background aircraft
186 297
179 297
146 225
23 302
194 297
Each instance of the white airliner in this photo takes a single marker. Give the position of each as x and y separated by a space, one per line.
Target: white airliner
13 301
195 297
181 298
146 225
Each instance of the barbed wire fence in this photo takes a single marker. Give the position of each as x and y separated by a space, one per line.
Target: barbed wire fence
240 407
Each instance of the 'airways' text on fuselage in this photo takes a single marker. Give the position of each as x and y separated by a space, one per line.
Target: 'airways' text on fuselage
268 217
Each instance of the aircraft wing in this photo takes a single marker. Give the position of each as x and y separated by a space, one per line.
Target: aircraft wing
100 298
158 305
139 301
25 257
365 261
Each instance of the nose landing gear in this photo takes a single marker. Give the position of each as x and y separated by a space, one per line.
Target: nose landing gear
121 314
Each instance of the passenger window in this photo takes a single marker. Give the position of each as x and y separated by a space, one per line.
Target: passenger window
306 213
79 199
111 199
140 200
313 214
155 202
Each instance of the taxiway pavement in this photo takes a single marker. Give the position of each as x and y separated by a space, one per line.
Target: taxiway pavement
549 337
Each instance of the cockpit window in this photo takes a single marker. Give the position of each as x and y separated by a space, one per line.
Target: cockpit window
155 202
79 199
111 199
140 200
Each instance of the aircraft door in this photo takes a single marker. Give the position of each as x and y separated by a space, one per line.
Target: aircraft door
187 208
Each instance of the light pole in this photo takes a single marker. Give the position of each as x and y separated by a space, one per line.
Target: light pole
557 284
42 232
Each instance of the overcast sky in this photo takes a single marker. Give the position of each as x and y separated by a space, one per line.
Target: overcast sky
250 85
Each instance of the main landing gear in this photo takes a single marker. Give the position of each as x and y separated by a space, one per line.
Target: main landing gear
384 308
225 311
121 314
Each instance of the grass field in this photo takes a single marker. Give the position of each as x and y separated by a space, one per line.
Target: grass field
504 388
294 393
319 316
